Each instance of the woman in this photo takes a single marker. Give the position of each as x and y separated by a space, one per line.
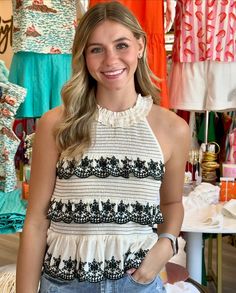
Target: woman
107 166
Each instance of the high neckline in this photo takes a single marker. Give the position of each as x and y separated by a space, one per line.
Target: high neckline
127 117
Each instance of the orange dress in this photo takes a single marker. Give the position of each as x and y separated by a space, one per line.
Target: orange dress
150 14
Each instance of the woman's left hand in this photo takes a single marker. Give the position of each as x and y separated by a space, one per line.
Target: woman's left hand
154 261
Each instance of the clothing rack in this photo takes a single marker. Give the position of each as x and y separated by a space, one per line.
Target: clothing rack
206 127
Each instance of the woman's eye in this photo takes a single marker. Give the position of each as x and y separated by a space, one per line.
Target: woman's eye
96 50
122 46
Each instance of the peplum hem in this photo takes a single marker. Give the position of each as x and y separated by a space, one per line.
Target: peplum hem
94 258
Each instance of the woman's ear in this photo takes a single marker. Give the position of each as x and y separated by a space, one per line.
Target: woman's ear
141 44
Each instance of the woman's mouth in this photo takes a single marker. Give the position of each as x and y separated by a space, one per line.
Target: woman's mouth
113 73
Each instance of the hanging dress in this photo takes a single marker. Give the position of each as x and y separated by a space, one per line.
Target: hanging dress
12 208
42 41
204 56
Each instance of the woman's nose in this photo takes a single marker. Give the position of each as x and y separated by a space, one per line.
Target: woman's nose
110 57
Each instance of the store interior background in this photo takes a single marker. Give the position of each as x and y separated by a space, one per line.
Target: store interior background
9 242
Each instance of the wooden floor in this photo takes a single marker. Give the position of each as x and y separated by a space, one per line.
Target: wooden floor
9 245
228 266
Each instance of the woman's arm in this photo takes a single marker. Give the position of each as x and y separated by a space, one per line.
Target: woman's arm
172 186
174 137
33 239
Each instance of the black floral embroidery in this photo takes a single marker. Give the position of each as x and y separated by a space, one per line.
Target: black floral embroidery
134 260
110 166
139 169
101 168
55 210
68 270
156 170
158 219
95 271
106 212
123 215
81 214
52 267
84 169
82 275
67 215
127 167
112 269
141 213
66 171
113 167
95 214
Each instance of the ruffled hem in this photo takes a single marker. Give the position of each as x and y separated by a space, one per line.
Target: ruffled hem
128 117
93 258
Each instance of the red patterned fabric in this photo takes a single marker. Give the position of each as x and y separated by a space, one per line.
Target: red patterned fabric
205 30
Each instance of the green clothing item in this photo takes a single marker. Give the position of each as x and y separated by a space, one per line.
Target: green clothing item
12 212
211 128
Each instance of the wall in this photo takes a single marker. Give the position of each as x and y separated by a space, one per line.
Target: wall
6 29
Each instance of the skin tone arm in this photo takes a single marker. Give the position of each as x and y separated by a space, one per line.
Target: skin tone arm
176 149
33 239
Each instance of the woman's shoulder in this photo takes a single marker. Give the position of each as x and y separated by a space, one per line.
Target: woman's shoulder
168 120
172 131
51 118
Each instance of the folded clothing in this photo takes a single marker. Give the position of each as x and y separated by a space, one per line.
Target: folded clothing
206 192
12 211
193 202
206 217
229 209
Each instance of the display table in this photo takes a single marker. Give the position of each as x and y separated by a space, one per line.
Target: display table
194 225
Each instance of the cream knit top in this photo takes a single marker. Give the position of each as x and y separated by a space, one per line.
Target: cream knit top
104 205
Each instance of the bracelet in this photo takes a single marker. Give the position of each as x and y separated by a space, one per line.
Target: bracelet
173 240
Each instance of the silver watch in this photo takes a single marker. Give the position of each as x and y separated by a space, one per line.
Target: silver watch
173 240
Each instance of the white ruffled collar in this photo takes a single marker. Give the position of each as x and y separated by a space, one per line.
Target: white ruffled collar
127 117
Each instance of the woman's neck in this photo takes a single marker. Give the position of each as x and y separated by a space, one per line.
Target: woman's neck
116 101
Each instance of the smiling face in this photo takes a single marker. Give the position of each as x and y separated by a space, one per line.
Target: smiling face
112 56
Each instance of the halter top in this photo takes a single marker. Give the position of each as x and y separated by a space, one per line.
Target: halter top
105 204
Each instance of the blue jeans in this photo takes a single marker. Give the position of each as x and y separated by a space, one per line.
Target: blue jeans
124 285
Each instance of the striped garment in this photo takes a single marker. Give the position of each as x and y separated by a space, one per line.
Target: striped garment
104 206
205 30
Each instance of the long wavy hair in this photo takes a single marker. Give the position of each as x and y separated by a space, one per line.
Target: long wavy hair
73 136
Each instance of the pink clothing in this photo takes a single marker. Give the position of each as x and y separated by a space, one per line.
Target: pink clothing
205 30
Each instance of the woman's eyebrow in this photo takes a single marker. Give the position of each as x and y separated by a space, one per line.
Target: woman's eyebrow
115 41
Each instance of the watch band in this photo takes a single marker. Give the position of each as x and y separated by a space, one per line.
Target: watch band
173 239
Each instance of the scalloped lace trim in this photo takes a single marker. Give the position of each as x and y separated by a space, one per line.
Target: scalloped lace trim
104 211
110 166
128 117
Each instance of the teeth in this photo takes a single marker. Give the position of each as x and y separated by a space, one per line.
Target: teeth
114 72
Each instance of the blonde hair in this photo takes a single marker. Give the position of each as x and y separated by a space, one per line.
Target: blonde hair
73 135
